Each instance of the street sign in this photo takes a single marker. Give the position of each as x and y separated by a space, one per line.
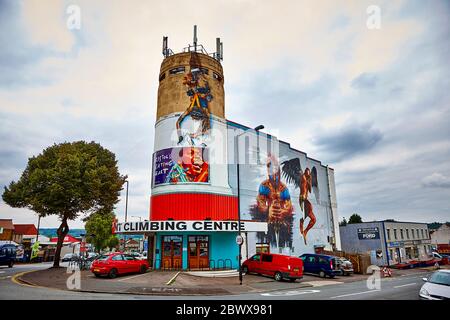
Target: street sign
239 239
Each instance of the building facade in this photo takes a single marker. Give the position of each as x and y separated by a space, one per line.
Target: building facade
387 242
440 238
282 201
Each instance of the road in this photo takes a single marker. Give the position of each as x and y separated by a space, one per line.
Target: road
398 288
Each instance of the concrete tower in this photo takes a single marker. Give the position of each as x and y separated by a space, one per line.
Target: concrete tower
190 170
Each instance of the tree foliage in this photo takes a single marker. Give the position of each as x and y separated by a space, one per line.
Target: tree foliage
355 218
343 223
99 231
67 180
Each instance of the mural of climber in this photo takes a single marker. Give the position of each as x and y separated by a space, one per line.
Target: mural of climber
181 165
200 95
273 204
306 181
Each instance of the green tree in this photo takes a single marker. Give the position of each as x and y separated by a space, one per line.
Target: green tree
355 218
99 230
67 180
343 223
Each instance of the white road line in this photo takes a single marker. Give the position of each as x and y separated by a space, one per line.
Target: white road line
354 294
404 285
131 277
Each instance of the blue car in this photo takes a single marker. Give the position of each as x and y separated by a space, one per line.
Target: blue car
320 264
7 255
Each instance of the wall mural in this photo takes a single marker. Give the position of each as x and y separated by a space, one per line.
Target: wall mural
181 165
273 204
306 181
200 95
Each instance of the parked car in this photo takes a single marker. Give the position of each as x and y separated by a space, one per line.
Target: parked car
138 256
275 265
7 255
320 264
437 286
345 266
117 264
69 257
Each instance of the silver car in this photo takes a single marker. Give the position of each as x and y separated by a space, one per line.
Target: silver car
437 286
345 266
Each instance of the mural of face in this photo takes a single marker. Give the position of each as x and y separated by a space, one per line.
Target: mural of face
195 167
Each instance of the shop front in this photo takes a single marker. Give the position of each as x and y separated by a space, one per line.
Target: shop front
191 245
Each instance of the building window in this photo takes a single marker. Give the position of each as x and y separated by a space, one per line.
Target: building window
388 234
423 235
395 234
418 236
407 233
177 70
401 234
426 233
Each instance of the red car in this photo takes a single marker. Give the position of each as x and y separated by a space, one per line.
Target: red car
118 263
275 265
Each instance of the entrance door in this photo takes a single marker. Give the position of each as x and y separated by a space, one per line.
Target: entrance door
198 252
172 249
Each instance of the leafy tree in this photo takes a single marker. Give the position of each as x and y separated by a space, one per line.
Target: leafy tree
99 230
355 218
343 223
67 180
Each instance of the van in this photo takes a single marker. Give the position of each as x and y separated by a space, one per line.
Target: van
7 255
274 265
320 264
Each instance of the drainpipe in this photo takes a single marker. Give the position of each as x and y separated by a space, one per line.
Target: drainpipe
385 244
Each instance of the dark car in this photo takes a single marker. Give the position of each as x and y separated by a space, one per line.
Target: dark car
320 264
7 254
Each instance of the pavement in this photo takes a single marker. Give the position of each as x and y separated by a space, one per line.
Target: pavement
405 284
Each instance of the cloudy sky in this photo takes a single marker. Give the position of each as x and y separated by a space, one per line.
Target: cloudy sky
374 104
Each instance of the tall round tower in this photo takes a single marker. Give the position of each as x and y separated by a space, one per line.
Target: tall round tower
190 170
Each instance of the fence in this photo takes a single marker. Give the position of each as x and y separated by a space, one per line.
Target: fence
360 261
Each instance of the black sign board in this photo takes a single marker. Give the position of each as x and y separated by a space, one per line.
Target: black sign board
368 233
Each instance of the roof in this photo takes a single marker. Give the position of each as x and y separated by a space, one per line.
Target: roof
6 224
26 229
67 238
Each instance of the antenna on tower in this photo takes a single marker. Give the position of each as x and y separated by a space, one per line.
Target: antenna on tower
219 49
165 47
195 38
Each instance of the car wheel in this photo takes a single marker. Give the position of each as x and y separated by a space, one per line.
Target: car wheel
113 273
278 276
322 274
245 270
11 263
143 269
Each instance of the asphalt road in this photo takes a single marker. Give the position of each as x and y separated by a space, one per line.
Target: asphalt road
398 288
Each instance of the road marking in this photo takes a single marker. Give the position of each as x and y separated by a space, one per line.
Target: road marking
288 293
173 278
404 285
131 277
354 294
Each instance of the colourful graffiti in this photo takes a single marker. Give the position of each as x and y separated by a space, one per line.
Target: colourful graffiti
274 206
307 180
181 165
200 95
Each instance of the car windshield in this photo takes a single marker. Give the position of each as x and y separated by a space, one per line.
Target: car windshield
440 278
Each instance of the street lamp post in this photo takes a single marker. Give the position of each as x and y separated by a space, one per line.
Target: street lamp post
236 141
126 213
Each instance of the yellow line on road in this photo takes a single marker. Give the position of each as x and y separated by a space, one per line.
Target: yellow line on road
14 279
173 278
